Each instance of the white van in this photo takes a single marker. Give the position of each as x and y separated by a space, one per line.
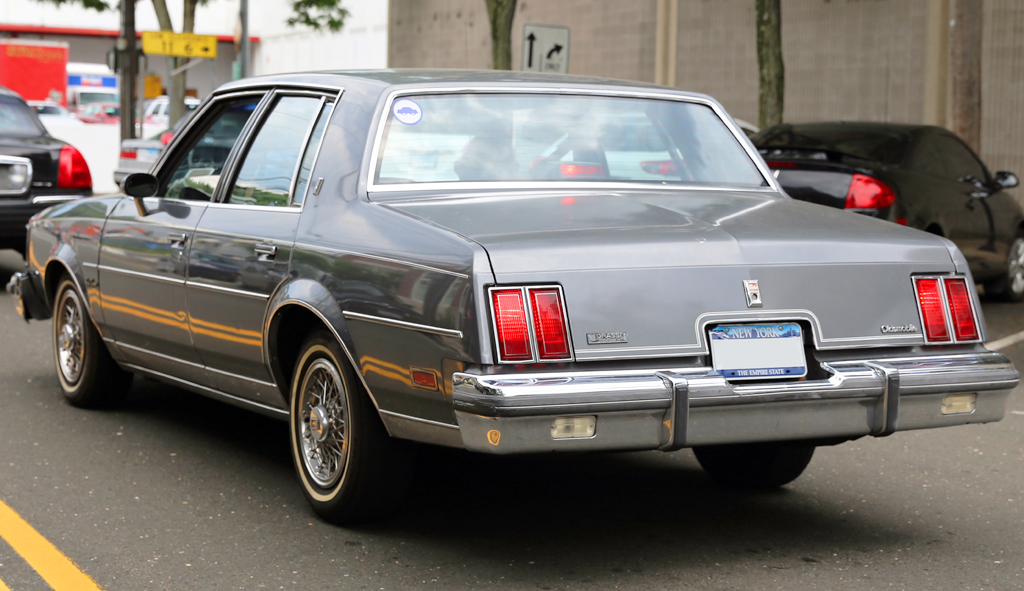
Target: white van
91 83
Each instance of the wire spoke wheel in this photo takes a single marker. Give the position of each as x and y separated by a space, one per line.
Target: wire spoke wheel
323 412
70 337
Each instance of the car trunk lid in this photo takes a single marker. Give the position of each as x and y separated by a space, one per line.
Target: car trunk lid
662 266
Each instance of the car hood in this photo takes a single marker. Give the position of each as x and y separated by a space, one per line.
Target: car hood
661 266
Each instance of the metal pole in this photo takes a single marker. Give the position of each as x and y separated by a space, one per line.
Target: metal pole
243 59
127 66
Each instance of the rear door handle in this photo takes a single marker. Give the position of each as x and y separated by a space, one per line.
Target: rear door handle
265 252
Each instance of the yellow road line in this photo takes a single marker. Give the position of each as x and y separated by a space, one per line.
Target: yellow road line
55 568
4 587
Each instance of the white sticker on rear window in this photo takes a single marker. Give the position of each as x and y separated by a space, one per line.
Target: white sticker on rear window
407 111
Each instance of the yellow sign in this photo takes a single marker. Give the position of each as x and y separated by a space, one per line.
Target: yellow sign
179 44
154 86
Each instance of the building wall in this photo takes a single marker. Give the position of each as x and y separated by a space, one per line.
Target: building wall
362 42
1002 87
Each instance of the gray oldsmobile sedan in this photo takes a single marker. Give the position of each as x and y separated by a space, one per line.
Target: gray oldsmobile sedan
504 263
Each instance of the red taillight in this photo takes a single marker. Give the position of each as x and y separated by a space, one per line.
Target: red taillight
72 171
964 327
933 314
781 164
867 192
511 323
658 167
128 154
581 170
166 137
549 324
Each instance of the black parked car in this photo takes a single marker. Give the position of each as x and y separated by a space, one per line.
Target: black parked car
36 170
917 175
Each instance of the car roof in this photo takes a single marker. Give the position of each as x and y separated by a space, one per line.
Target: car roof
856 126
381 80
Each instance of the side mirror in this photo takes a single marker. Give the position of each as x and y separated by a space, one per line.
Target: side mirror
1006 180
141 184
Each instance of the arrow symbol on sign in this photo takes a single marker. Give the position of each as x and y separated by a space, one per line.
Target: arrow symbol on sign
531 39
556 49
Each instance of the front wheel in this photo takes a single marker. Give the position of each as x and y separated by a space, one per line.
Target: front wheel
1010 287
755 465
350 469
89 376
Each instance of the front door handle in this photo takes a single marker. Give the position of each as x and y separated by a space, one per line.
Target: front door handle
265 252
177 240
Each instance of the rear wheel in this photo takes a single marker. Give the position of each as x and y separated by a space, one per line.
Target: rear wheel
89 376
755 465
1010 286
350 469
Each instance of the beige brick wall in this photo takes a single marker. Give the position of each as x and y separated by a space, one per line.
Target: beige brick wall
1002 87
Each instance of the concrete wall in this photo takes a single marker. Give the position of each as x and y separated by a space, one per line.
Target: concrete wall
844 59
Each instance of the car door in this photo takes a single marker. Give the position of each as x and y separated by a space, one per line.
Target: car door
243 244
144 247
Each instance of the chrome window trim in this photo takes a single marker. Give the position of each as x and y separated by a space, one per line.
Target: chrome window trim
141 274
250 207
445 332
528 306
316 155
241 292
55 198
302 150
738 135
4 159
337 251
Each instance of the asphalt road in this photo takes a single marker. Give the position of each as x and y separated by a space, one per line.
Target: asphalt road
175 491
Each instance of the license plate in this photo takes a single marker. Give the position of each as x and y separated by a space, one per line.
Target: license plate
147 154
758 351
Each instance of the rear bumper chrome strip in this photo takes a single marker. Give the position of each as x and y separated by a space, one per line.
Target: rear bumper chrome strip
642 409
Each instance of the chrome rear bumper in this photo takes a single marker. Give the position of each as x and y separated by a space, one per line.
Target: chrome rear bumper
671 409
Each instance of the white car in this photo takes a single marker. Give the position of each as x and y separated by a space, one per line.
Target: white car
158 110
53 114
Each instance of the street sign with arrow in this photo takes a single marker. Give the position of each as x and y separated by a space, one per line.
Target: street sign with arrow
179 44
545 48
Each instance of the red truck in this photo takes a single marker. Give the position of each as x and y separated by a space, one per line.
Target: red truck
37 70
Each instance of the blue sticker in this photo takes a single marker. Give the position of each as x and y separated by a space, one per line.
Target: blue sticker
407 111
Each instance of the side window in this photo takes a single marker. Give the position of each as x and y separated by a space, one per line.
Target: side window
265 177
198 172
312 147
959 161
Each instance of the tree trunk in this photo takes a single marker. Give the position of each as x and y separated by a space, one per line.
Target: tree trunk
501 13
179 81
965 66
772 74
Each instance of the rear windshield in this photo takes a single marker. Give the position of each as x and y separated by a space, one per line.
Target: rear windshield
17 120
888 147
535 137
